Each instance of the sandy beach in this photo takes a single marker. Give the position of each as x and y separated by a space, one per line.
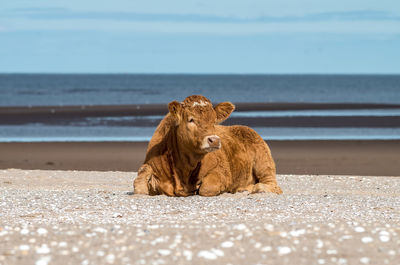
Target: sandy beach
76 217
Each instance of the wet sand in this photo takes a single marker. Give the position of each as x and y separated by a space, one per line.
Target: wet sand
369 158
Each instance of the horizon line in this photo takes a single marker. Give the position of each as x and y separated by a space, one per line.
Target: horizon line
191 73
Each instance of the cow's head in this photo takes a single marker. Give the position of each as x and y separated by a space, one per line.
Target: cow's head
195 119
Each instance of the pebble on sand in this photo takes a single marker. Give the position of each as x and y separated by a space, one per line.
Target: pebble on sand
266 249
24 231
42 231
164 252
240 227
188 254
227 244
284 250
24 247
367 239
110 258
296 233
43 249
359 229
384 236
43 260
211 255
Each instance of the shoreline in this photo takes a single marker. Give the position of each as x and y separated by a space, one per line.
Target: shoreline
330 157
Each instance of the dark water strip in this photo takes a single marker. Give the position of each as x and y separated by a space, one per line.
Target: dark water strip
70 115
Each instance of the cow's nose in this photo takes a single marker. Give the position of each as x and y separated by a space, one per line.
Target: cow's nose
214 141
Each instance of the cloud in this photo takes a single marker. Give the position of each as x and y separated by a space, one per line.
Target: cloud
168 27
64 14
221 8
355 22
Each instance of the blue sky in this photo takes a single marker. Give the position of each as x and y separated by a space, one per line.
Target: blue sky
252 36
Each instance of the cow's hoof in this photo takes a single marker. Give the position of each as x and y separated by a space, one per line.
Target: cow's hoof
248 189
261 187
208 191
140 189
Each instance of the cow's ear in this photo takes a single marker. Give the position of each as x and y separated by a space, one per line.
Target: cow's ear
175 108
223 111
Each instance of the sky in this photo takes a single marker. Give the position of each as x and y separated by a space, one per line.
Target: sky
186 36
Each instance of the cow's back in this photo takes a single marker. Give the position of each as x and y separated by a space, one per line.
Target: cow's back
241 147
158 141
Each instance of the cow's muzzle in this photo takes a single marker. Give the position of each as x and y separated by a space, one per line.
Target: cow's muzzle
211 143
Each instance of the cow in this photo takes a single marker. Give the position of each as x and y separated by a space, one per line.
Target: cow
190 153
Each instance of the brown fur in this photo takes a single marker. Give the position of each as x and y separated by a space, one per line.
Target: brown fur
176 164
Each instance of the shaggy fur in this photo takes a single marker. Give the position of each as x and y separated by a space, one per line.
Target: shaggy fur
177 164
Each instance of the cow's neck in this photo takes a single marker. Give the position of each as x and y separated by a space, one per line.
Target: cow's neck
185 162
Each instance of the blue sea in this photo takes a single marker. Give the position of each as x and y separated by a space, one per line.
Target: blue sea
26 90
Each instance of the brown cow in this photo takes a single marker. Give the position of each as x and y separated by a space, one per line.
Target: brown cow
190 153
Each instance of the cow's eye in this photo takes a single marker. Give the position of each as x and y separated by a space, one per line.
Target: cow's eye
191 120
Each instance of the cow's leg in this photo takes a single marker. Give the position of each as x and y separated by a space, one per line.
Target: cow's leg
211 185
145 183
265 172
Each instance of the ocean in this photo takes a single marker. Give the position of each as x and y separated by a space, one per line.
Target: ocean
305 123
116 89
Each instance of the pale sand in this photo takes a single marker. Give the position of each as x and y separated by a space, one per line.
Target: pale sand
75 217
